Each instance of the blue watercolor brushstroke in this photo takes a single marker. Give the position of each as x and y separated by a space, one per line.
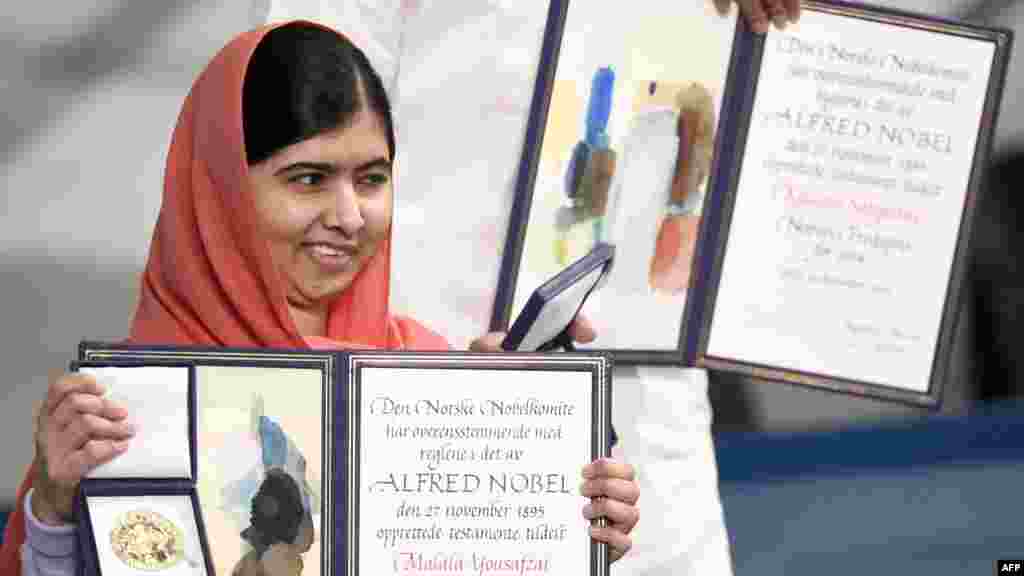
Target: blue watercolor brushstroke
274 444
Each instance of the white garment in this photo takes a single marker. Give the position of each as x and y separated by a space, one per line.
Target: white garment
663 420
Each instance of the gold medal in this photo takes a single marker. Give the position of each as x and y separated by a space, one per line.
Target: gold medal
146 540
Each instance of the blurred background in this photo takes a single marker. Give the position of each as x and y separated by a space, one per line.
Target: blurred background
91 91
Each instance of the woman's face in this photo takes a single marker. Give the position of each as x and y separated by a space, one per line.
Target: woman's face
324 206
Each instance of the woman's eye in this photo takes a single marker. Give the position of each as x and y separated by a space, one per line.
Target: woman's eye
376 179
310 179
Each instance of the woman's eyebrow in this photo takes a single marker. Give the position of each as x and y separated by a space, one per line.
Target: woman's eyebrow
326 167
381 162
330 168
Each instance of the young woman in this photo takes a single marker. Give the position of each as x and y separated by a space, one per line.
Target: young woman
274 231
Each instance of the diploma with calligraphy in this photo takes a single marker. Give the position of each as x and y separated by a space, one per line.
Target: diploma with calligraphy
471 464
369 462
832 246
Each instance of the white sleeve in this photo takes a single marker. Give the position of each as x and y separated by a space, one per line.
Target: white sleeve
663 419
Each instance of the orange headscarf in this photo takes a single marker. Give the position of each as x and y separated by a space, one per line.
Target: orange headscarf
209 280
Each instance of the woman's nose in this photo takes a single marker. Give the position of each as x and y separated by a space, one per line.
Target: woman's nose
345 211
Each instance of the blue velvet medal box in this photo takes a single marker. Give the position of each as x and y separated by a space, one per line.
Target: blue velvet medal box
139 513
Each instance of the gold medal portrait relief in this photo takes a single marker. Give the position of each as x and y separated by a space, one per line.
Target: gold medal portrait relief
146 540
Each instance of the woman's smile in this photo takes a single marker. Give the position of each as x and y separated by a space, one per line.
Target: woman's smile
333 258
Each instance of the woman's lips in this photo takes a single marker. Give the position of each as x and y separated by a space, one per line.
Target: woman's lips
331 257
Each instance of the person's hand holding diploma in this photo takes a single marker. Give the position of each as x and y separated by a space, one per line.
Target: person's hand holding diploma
610 484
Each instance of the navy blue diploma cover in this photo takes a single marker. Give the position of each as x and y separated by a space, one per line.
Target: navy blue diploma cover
382 455
832 246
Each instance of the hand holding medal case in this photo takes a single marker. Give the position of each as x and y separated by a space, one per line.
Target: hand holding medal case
139 513
544 322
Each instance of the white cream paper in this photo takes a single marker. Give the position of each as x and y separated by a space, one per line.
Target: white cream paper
849 201
156 398
459 475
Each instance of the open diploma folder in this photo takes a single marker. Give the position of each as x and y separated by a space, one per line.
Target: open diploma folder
832 246
140 513
347 463
544 322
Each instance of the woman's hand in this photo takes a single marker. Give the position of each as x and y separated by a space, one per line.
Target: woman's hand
610 485
763 13
613 492
581 331
76 431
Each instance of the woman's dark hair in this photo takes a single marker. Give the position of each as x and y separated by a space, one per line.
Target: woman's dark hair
303 80
276 512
